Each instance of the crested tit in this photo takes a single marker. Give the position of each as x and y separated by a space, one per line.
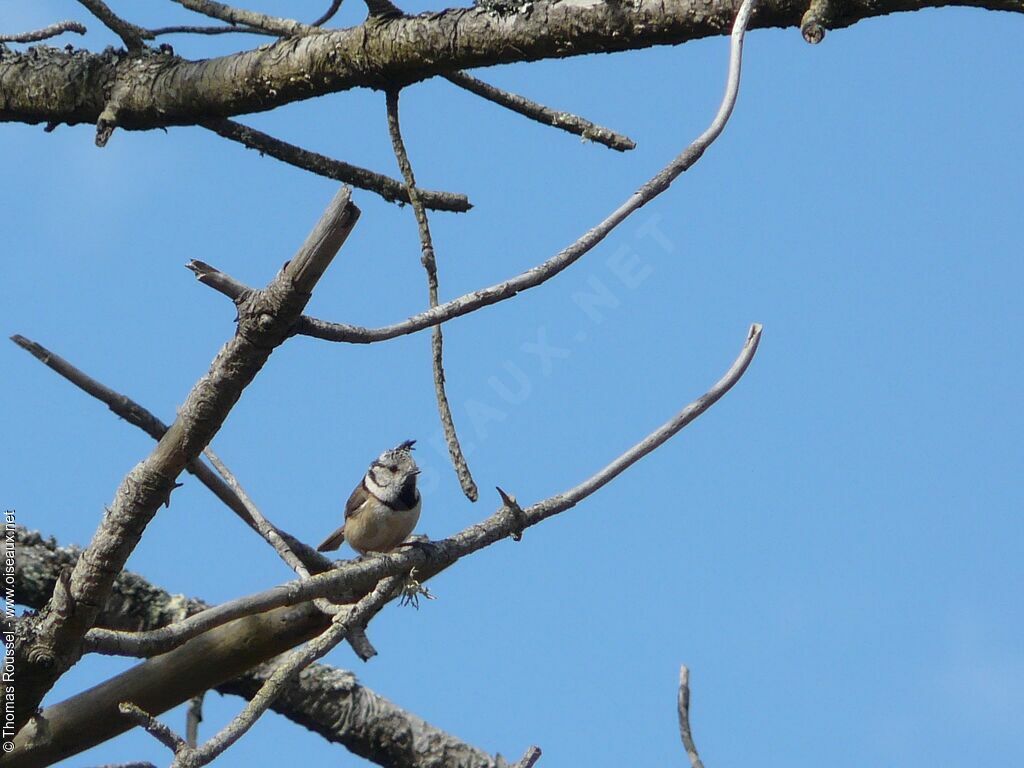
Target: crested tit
384 507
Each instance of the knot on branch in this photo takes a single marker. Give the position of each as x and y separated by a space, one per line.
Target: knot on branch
818 18
518 516
266 317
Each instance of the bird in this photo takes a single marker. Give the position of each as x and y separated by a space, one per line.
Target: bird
385 506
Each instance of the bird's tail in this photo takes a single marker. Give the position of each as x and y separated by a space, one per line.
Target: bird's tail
333 541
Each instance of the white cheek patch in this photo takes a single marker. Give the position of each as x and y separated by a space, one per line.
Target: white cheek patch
372 487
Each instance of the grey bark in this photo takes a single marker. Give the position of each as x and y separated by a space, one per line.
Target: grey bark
326 700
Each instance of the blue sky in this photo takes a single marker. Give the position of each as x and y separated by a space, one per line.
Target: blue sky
834 549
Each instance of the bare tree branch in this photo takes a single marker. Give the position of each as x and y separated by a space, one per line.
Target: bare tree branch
328 14
278 26
325 699
430 265
130 34
191 30
45 33
57 87
53 642
568 256
538 112
684 718
341 625
390 189
530 758
351 580
153 727
193 718
135 414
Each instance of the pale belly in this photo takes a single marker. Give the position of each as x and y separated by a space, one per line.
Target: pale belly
378 528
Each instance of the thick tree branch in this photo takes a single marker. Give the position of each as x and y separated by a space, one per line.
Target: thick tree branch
53 642
56 87
326 700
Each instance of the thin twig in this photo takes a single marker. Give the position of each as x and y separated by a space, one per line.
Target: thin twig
471 302
390 189
545 115
298 660
191 30
45 33
430 265
193 717
263 526
684 718
130 34
135 414
349 579
153 727
328 14
278 26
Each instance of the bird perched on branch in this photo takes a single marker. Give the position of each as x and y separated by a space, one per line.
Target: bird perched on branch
384 507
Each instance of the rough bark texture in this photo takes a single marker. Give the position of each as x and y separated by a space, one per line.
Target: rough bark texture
327 700
155 89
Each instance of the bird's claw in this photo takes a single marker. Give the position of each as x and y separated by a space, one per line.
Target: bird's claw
412 591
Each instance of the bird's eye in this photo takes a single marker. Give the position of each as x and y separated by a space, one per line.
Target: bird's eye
393 468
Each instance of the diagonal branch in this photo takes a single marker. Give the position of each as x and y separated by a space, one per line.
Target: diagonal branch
130 34
430 265
135 414
390 189
54 641
531 109
45 33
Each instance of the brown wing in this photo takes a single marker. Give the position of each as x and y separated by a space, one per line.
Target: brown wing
355 501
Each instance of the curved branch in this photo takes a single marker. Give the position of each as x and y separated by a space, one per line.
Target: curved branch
130 34
542 273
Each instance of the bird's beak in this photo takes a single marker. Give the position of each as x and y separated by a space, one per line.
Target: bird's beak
406 446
